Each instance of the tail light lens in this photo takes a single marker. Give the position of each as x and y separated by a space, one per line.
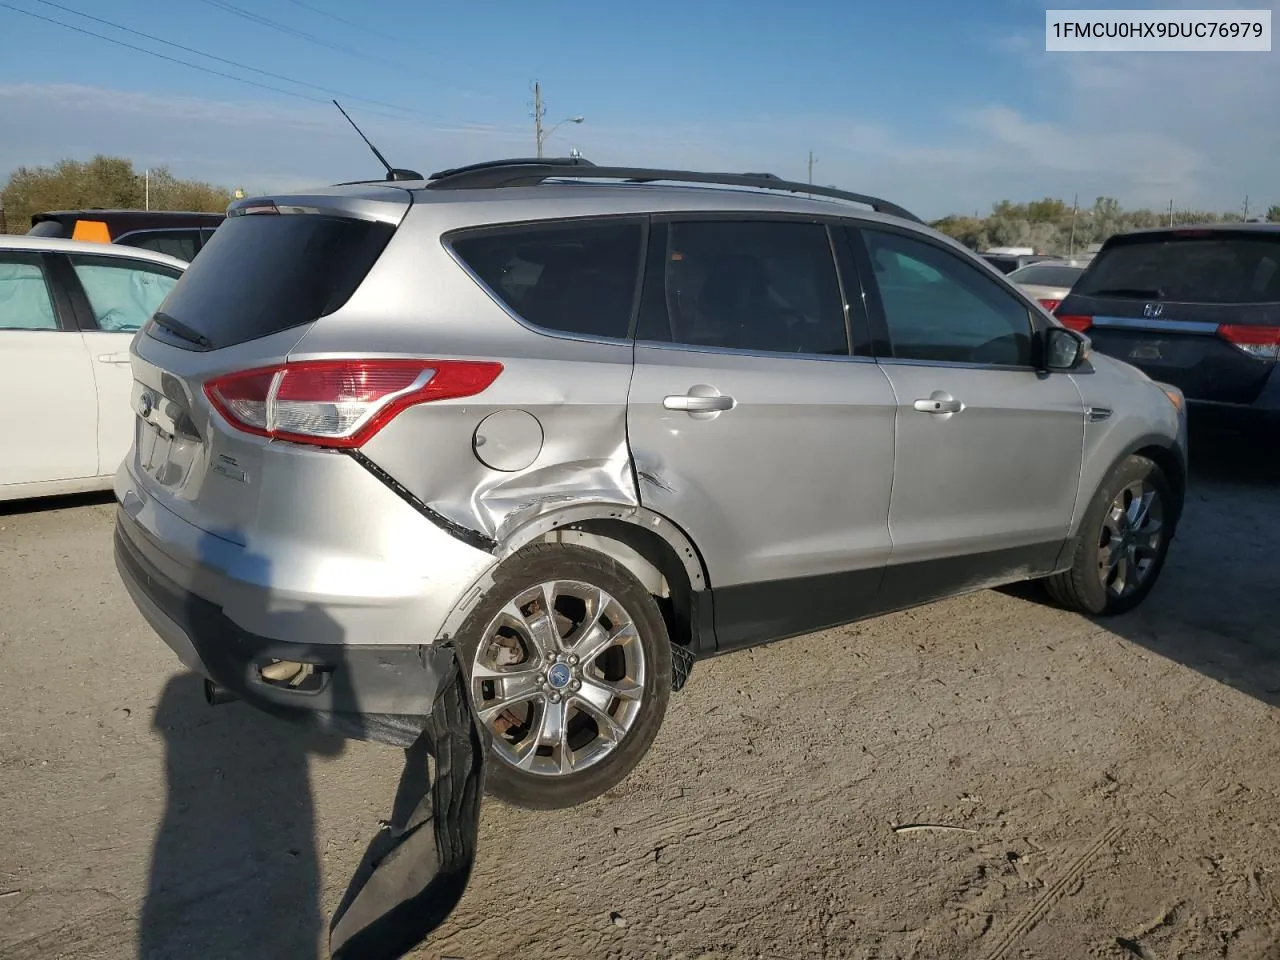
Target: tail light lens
1075 322
339 403
1260 342
1050 305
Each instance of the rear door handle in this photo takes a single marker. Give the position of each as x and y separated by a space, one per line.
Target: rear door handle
692 404
939 402
113 358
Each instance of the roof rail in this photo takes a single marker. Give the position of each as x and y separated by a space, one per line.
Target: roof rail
494 164
525 173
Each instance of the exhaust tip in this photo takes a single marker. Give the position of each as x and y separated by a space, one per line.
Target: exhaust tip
215 695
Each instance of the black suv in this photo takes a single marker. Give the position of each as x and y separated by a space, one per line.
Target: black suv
1197 307
179 233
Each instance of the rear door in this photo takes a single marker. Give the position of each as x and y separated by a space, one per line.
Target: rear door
758 425
1198 308
113 297
48 427
988 449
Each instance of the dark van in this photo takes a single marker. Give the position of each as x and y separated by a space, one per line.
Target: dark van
178 233
1197 307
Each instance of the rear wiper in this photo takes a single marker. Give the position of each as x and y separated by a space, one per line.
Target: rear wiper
181 330
1145 294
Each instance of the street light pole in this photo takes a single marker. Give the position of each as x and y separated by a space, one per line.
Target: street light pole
539 111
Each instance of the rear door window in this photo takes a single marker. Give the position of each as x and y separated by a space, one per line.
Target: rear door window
576 278
763 286
263 273
182 244
1197 269
25 299
123 294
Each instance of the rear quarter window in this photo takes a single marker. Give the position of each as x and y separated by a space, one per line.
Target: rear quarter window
575 278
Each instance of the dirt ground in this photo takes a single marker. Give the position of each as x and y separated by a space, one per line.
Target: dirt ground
984 778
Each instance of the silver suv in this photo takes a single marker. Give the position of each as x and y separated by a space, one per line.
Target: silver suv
574 428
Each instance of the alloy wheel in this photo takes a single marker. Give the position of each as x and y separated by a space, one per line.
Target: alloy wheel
558 677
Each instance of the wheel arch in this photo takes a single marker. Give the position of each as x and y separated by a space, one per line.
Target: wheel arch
1163 452
648 545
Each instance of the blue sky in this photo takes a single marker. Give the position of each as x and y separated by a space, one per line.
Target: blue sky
944 107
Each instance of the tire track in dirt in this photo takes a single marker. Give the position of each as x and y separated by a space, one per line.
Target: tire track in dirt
1055 891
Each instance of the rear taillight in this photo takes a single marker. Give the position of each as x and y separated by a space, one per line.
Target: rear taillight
1050 305
339 403
1074 321
1260 342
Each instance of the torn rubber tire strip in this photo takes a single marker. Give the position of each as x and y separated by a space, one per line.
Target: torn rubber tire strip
417 868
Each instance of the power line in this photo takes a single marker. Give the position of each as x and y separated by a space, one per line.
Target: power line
231 8
292 31
243 66
162 56
350 23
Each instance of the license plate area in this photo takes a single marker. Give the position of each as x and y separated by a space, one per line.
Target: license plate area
165 442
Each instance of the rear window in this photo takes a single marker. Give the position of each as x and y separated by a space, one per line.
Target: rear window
1047 276
578 278
1204 269
263 273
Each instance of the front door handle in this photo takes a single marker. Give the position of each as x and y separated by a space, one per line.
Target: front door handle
121 358
939 402
693 404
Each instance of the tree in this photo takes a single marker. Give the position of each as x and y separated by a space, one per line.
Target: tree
1048 225
1273 213
107 182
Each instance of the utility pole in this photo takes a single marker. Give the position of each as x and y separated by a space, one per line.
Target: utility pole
147 188
1171 211
538 112
1075 206
1246 206
812 161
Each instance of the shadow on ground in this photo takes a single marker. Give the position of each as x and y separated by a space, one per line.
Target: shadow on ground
1216 608
235 871
9 508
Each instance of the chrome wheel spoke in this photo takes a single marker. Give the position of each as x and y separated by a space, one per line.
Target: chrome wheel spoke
596 640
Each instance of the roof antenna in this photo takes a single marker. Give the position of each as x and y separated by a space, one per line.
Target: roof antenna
393 173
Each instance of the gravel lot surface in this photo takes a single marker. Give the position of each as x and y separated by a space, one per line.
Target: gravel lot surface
983 778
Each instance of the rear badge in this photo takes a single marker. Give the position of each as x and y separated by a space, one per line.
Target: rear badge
228 467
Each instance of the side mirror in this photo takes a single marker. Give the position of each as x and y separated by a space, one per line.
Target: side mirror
1064 349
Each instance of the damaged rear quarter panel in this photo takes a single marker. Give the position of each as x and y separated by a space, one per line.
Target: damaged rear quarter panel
578 446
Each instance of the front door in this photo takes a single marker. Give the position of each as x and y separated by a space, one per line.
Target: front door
988 449
756 428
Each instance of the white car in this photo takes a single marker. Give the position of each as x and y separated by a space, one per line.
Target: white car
68 312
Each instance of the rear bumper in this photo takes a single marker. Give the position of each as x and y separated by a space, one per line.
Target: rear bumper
366 692
1267 402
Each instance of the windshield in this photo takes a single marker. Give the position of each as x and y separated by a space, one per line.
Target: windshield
1047 275
1206 268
